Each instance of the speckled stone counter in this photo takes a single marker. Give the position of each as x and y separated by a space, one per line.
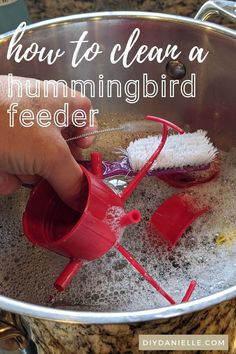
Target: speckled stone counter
46 9
57 338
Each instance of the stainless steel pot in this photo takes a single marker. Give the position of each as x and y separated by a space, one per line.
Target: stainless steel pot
215 99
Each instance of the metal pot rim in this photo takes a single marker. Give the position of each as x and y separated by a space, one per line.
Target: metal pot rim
49 313
90 317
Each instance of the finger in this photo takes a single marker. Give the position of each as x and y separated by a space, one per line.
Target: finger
28 179
87 141
65 176
81 142
8 183
89 126
75 151
83 104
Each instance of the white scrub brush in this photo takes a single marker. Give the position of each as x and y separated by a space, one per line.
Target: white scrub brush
182 152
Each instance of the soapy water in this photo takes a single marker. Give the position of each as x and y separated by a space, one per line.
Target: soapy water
110 283
113 216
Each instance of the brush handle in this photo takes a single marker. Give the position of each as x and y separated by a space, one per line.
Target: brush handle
123 168
112 168
172 176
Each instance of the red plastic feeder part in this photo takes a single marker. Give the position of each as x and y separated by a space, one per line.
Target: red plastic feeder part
173 217
50 223
80 236
86 235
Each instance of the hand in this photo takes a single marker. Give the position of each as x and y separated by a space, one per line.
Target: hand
29 153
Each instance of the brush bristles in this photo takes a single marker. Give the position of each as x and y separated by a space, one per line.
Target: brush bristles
189 149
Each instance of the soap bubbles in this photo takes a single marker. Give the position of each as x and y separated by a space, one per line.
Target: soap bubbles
110 283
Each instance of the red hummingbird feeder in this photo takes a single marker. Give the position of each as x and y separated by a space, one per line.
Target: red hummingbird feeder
86 235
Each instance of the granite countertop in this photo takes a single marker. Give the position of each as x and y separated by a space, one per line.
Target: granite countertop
62 338
56 338
45 9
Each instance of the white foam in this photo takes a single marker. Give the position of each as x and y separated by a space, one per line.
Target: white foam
112 218
110 283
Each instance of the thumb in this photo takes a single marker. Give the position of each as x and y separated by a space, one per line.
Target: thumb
66 177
